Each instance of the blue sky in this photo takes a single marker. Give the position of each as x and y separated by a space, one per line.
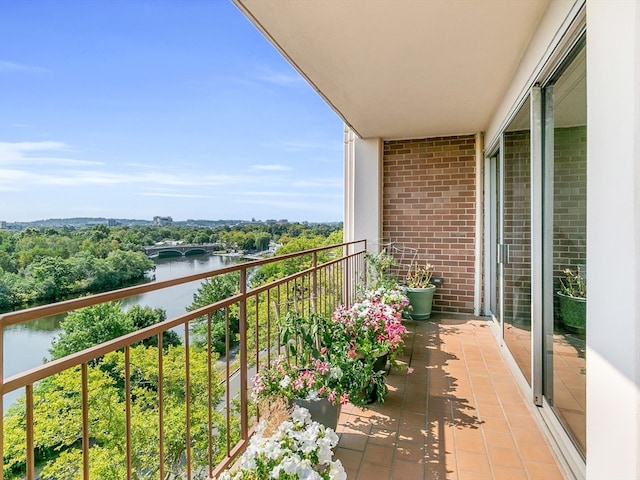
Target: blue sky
136 108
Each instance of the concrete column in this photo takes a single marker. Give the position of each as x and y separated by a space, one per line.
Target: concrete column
362 189
613 240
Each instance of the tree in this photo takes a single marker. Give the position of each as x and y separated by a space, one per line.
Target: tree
127 266
10 289
90 326
262 240
142 317
58 414
213 290
53 277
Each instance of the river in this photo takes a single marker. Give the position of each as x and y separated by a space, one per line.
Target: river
27 345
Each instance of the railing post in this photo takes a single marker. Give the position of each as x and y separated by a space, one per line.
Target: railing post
347 284
244 383
314 286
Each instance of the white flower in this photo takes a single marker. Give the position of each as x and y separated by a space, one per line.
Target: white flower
290 450
284 383
336 472
331 436
290 464
301 414
313 395
324 454
305 470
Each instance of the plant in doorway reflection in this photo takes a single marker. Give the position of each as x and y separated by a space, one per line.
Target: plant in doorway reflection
573 284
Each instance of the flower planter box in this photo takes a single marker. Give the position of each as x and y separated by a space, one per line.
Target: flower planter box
321 410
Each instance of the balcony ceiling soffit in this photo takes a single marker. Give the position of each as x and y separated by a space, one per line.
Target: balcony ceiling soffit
403 69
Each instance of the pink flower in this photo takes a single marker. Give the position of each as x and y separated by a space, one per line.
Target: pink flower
332 396
409 370
322 367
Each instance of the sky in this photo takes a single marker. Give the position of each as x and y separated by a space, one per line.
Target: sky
137 108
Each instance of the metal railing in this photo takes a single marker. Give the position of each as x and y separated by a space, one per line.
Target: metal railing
198 415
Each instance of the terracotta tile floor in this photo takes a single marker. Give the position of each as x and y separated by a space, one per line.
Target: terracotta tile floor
458 416
569 376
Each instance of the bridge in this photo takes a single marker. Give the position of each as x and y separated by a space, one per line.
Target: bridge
170 250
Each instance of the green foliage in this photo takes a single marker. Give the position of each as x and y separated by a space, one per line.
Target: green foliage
142 317
90 326
12 290
58 427
210 291
379 270
573 284
262 241
54 264
293 265
53 277
57 418
266 273
317 364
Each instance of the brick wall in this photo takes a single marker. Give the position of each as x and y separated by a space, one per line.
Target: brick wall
570 201
429 204
517 227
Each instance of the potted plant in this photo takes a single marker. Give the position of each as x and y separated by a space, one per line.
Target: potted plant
316 370
298 447
572 298
373 331
420 290
378 270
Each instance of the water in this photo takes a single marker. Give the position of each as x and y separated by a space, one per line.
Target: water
27 345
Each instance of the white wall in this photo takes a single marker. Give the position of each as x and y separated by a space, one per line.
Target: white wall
613 240
552 26
363 189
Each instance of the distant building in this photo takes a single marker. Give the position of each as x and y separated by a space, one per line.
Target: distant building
111 222
3 224
162 221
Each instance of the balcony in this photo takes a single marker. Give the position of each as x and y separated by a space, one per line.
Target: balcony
459 415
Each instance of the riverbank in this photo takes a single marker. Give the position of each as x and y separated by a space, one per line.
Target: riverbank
27 345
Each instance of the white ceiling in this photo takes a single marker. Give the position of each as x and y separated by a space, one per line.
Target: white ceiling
403 68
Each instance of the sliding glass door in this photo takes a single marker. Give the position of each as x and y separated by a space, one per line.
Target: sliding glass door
565 225
536 222
510 197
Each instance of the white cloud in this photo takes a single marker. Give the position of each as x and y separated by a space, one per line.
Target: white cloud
272 168
171 195
319 183
281 79
8 67
291 194
39 153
